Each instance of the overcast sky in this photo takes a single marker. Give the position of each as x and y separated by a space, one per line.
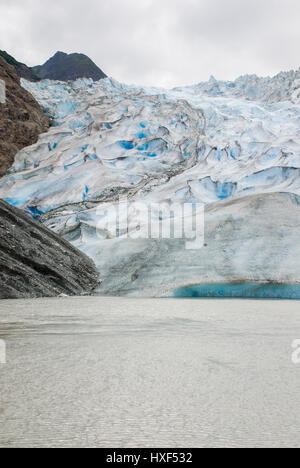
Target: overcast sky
158 42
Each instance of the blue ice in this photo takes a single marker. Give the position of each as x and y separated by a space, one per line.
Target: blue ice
72 166
144 147
232 154
15 201
92 157
142 135
65 108
51 148
225 190
35 212
86 191
128 145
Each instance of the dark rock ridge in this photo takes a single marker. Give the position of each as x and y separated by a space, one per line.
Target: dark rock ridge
64 67
35 262
21 118
22 70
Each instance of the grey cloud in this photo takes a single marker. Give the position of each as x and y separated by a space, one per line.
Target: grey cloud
158 42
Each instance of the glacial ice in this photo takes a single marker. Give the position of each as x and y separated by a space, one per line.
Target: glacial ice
233 147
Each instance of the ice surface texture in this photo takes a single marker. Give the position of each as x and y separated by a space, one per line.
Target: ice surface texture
234 147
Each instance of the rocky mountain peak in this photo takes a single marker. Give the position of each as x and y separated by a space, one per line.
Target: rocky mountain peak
69 67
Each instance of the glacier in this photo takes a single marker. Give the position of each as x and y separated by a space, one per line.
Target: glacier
233 147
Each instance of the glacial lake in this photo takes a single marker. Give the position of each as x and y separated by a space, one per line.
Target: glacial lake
114 372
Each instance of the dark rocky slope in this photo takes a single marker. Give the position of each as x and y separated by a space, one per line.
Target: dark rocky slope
21 118
22 70
64 67
35 262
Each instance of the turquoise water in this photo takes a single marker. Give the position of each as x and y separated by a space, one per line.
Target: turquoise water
241 290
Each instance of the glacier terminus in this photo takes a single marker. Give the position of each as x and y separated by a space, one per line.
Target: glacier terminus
231 147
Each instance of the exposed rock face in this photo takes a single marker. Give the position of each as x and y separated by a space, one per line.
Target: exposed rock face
22 70
64 67
21 118
35 262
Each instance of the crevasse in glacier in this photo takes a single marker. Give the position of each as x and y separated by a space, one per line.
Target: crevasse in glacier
233 147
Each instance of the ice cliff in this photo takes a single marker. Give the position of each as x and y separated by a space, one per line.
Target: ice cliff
231 146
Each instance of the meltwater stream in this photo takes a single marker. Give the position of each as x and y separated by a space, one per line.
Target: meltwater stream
102 372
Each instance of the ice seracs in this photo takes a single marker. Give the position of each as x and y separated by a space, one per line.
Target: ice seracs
218 142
